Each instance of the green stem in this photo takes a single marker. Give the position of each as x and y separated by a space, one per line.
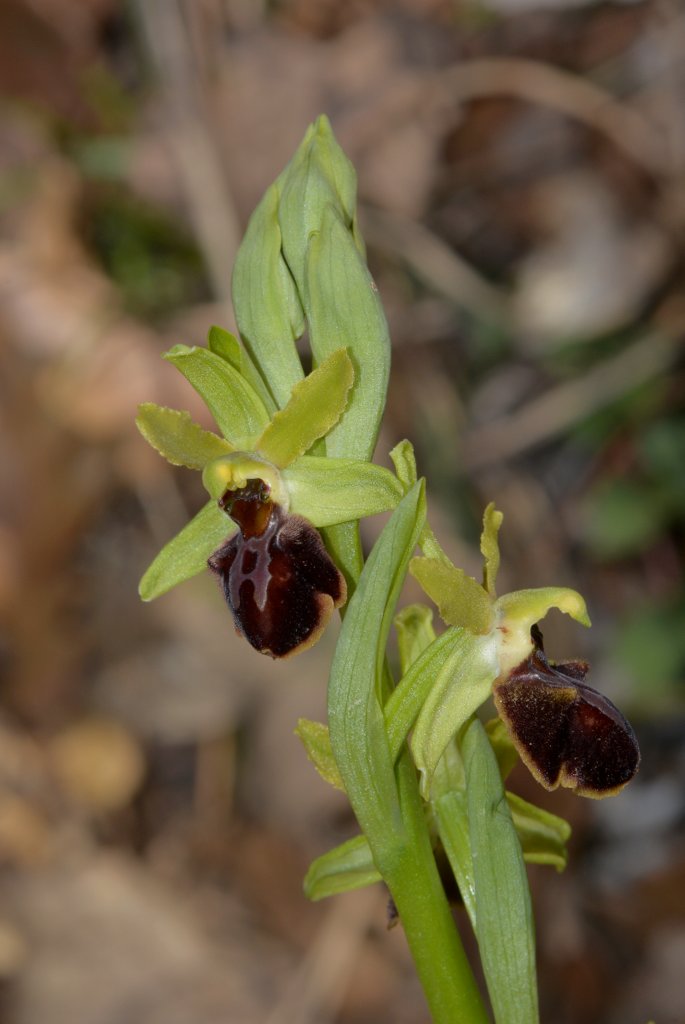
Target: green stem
416 888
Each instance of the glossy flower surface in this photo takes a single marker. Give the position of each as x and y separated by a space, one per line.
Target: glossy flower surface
565 732
277 577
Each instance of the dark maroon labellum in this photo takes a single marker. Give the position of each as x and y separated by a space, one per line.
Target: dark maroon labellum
277 577
565 732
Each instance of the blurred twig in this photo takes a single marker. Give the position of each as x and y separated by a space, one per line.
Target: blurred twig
570 403
211 208
432 261
318 987
568 93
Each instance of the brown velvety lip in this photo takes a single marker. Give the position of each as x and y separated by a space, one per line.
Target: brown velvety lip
277 577
565 732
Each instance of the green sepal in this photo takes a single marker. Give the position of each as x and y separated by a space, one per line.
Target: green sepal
316 741
177 438
489 547
187 553
462 684
460 599
315 406
238 410
348 866
266 303
543 835
222 343
355 716
414 627
504 928
343 309
329 491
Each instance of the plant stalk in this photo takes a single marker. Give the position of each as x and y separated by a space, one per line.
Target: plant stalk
417 891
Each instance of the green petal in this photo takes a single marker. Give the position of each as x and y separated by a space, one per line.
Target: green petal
316 741
222 343
460 600
489 547
505 927
543 835
349 866
343 309
266 303
186 555
414 626
316 405
174 435
462 684
232 471
328 491
237 409
518 611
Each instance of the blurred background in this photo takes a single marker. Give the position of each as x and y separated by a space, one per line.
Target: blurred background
521 172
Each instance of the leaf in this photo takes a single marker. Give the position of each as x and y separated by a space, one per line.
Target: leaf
343 309
174 435
186 555
222 343
328 491
237 409
316 741
318 177
543 836
504 915
503 746
450 808
460 600
489 547
463 683
409 696
316 405
266 303
356 723
414 625
349 866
